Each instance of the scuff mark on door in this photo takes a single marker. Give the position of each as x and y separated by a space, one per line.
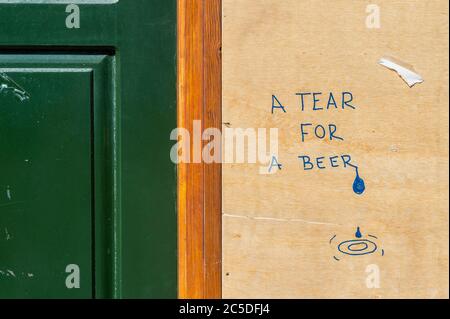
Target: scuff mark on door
8 85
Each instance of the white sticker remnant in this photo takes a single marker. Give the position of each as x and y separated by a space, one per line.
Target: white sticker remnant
405 71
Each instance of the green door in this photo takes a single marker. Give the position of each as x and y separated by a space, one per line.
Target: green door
46 202
87 188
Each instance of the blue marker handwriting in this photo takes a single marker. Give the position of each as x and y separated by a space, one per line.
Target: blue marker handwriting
323 162
319 131
274 163
318 101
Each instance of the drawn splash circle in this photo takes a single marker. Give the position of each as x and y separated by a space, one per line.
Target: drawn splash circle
357 247
363 246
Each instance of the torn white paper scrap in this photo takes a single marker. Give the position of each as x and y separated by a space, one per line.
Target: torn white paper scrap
408 75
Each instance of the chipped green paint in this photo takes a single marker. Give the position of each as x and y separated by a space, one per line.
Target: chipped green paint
8 85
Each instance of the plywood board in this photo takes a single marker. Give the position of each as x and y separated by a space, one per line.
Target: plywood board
285 234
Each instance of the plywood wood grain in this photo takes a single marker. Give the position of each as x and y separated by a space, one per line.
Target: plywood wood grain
277 228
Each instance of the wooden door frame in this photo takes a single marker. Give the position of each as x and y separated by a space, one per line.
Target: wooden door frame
199 184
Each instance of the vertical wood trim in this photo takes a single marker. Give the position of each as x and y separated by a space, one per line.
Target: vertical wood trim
199 184
213 171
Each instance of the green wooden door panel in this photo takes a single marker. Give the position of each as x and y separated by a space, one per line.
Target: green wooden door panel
55 116
123 62
46 183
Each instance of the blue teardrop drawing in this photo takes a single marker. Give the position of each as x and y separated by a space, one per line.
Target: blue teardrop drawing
358 185
358 233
